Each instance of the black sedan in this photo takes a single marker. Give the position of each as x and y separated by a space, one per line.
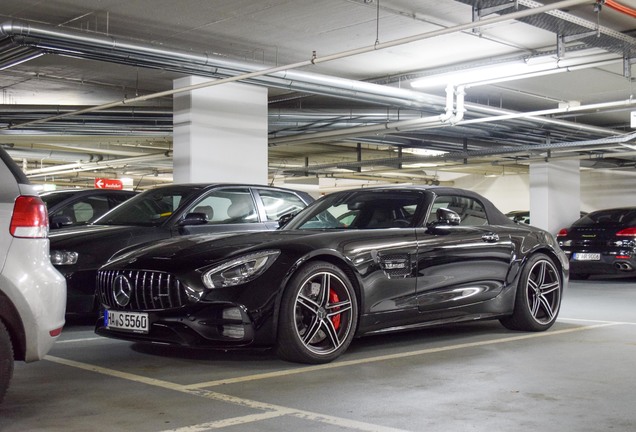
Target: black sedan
160 213
408 257
602 242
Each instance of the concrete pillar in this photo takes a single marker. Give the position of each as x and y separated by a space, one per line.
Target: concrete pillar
554 194
220 133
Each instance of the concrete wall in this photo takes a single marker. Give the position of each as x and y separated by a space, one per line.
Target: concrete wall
599 189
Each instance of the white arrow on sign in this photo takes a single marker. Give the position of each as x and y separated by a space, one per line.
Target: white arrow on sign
99 183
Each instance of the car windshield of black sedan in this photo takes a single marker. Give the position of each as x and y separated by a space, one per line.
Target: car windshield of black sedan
618 217
148 209
361 210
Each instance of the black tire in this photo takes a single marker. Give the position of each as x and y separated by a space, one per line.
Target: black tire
318 315
6 360
538 296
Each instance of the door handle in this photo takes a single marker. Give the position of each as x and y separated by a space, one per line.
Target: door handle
490 237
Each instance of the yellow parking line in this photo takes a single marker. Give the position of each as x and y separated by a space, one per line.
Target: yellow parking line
346 363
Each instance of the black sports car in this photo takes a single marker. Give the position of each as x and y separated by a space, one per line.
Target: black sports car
602 242
404 257
160 213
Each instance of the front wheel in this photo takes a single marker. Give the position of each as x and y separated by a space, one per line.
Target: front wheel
318 315
6 360
538 296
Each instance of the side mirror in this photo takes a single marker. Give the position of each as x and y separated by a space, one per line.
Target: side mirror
284 219
447 217
194 219
60 221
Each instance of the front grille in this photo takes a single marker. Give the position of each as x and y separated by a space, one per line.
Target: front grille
149 290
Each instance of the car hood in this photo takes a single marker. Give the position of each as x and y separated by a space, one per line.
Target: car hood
201 249
68 237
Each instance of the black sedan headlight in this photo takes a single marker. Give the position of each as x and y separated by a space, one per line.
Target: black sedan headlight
63 257
239 270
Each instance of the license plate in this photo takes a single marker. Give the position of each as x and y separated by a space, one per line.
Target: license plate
128 321
587 256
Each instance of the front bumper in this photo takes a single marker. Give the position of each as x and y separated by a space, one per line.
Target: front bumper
80 291
222 325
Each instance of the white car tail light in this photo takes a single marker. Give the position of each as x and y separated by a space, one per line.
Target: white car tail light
29 218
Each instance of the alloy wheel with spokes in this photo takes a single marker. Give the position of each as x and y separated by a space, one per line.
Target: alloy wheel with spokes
538 298
318 314
543 289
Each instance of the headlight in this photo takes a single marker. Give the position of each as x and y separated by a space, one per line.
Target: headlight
60 257
239 270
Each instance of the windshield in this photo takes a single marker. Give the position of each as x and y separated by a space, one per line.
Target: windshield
615 217
51 199
150 208
361 210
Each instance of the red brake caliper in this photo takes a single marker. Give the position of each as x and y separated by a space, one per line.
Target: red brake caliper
333 298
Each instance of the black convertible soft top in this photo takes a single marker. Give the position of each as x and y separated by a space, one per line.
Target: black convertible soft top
495 216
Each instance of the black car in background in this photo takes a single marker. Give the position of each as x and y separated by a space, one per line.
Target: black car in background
602 242
523 216
402 258
160 213
72 207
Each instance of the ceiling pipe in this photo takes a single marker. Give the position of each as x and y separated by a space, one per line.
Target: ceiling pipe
52 39
611 141
621 8
453 114
105 164
425 124
534 114
20 153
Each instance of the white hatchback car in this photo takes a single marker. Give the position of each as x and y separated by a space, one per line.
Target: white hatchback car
32 291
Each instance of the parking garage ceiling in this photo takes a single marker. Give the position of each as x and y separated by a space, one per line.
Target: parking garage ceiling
86 83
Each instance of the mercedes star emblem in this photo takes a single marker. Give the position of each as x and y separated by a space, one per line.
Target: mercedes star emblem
122 289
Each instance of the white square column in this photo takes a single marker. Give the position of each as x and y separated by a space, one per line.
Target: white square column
555 190
220 133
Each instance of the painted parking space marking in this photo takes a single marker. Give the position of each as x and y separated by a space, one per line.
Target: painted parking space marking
346 363
271 411
597 321
235 421
99 338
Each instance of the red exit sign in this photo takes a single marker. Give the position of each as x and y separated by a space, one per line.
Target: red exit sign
103 183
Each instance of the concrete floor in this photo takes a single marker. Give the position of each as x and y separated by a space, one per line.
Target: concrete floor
579 376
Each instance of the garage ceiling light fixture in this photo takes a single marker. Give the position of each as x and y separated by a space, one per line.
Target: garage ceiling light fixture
510 71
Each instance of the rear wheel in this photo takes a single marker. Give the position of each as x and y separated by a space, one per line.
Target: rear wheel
6 360
538 296
318 315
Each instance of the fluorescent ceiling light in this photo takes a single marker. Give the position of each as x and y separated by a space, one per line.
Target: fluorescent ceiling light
511 70
470 76
423 152
420 165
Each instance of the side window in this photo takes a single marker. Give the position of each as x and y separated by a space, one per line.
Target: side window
115 200
227 206
279 203
85 209
470 211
